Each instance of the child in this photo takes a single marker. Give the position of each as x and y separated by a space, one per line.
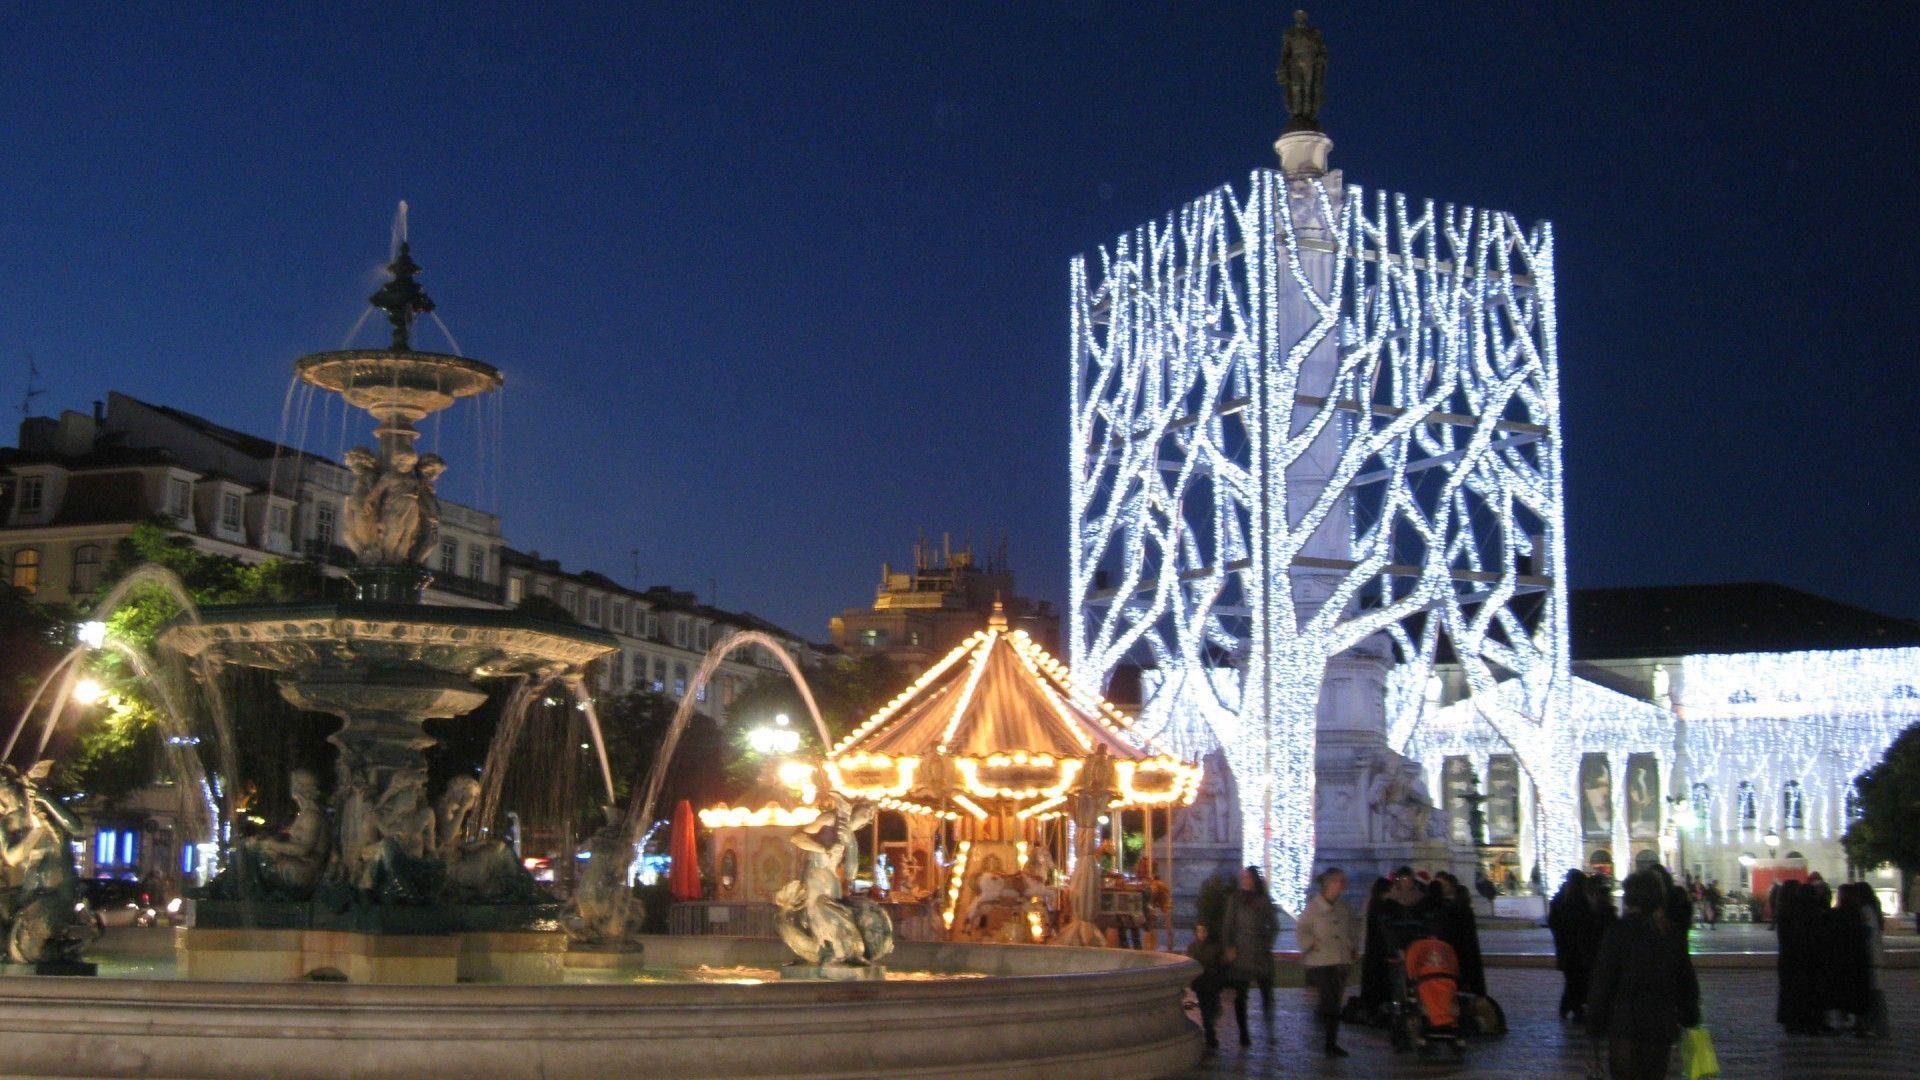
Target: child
1207 985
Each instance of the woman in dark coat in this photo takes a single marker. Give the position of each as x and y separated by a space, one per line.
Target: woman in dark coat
1848 955
1376 985
1797 917
1454 922
1644 990
1248 929
1570 919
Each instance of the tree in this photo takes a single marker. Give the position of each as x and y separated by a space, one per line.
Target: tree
1888 828
115 750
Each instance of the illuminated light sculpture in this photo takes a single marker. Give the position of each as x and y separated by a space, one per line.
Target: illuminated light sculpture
1301 419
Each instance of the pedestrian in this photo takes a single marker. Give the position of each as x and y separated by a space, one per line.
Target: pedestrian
1326 933
1644 989
1796 920
1488 891
1850 955
1454 922
1878 1025
1248 930
1570 919
1714 900
1212 958
1376 983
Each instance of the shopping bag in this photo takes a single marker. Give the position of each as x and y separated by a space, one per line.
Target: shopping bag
1696 1053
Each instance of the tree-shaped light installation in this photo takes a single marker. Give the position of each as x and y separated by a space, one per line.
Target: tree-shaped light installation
1301 419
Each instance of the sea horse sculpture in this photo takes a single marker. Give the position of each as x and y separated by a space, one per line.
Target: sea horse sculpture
44 918
817 921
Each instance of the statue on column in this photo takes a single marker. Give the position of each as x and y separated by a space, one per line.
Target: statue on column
1303 72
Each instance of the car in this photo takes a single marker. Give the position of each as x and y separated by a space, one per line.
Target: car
117 903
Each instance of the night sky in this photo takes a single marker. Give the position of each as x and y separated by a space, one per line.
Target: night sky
777 285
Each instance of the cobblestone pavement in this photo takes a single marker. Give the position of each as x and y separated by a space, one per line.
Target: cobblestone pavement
1738 1008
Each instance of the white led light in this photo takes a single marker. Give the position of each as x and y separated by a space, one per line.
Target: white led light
1300 420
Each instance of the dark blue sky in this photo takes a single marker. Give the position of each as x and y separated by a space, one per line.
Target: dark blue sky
777 284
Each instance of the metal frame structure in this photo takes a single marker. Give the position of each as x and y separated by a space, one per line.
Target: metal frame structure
1301 419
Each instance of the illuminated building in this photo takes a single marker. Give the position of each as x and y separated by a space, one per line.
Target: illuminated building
920 614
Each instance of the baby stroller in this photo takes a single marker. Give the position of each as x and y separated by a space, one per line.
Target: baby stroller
1427 1008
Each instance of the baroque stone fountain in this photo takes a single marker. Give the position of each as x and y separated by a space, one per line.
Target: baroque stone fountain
386 887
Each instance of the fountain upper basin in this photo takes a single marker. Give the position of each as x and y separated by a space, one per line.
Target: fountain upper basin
370 638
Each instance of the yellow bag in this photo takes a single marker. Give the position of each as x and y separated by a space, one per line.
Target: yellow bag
1696 1053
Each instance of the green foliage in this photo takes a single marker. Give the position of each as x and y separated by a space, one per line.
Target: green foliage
113 750
1888 829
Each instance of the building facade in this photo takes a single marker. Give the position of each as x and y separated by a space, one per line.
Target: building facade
1717 729
919 615
664 633
78 484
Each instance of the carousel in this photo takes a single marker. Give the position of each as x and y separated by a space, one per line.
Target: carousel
1017 788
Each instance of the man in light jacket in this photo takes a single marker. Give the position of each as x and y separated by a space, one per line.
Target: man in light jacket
1328 947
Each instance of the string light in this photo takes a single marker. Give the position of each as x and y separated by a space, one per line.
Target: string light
953 882
734 817
1299 420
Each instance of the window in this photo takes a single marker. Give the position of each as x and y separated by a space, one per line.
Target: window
680 632
1793 807
913 638
619 618
449 555
278 521
594 611
659 675
1749 809
33 494
726 693
1702 804
516 590
230 511
618 662
178 493
26 570
571 601
322 527
873 639
700 637
86 568
653 625
679 680
477 562
116 848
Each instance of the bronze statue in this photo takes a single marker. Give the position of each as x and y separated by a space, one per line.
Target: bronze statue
829 931
42 914
1303 72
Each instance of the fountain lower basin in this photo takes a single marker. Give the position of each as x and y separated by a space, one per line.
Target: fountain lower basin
1023 1010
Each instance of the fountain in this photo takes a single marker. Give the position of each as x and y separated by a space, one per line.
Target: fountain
384 934
397 903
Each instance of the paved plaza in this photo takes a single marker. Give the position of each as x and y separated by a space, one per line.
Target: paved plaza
1738 1007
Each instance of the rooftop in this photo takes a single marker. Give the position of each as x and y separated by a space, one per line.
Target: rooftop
1739 617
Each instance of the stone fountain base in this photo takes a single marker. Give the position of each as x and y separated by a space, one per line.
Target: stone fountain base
283 941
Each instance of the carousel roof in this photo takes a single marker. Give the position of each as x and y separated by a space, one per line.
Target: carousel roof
998 705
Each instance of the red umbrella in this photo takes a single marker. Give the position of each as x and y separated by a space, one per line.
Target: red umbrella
684 880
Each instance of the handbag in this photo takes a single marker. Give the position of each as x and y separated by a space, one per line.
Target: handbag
1696 1054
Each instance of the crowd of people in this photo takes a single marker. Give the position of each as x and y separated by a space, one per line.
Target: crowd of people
1629 976
1830 958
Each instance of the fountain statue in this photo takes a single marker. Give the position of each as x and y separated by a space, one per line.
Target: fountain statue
390 860
44 919
834 935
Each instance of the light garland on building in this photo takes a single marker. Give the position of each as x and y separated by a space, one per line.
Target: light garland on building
1285 406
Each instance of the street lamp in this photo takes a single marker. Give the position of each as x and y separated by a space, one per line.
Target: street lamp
1772 840
775 740
87 691
92 633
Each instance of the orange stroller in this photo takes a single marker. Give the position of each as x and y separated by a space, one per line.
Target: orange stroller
1429 1007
